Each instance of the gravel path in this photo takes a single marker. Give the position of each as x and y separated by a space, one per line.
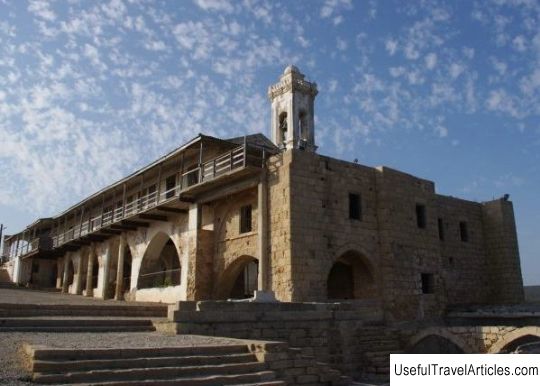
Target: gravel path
12 372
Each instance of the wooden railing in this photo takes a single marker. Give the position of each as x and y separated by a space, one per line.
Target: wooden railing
235 159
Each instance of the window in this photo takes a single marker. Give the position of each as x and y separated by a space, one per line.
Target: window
440 224
463 232
428 283
355 206
245 219
421 215
170 183
283 127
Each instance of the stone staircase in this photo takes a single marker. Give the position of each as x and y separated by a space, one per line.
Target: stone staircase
193 366
5 280
378 343
79 318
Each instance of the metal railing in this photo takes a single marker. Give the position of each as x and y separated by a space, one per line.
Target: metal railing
225 163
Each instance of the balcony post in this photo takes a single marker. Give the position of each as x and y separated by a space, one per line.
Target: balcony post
200 162
182 172
245 149
158 187
119 291
123 211
80 224
102 209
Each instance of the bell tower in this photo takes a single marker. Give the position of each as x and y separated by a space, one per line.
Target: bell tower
292 120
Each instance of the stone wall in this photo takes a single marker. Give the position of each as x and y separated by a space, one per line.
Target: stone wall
400 255
327 331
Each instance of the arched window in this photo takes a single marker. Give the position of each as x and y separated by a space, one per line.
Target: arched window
283 127
302 126
161 264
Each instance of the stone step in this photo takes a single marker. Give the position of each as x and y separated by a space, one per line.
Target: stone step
66 322
59 366
60 329
271 383
54 354
29 310
262 378
163 373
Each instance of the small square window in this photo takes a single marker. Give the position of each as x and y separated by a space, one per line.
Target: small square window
463 231
421 216
355 206
440 224
428 283
245 219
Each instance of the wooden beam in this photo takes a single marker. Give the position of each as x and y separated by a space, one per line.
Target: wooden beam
123 227
184 198
110 231
172 210
132 223
155 217
95 238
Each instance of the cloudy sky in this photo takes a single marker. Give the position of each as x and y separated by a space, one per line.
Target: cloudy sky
449 91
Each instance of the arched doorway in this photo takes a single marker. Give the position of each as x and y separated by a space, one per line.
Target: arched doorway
95 273
435 344
239 281
350 277
160 265
514 344
126 271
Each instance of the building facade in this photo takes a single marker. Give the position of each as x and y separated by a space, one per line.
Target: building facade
220 219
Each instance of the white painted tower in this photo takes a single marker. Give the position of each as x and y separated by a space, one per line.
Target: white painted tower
293 97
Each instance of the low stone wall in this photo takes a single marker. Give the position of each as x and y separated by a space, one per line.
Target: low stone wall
326 331
294 367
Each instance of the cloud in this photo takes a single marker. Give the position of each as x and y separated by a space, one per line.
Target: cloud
333 7
41 8
215 5
431 60
391 46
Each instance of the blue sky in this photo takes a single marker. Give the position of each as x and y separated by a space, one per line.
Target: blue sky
448 91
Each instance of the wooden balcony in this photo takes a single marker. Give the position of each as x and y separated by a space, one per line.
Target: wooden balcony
234 164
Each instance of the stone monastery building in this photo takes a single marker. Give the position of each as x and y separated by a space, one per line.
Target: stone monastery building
233 218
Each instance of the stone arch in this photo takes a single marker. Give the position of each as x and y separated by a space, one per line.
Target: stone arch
160 265
511 340
239 279
437 341
351 276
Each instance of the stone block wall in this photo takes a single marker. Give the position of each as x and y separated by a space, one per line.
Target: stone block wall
399 254
504 268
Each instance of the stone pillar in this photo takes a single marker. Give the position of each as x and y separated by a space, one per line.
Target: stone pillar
65 284
59 273
119 293
262 237
77 276
264 292
105 276
90 271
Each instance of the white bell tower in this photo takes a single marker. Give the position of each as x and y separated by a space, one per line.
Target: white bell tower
293 100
